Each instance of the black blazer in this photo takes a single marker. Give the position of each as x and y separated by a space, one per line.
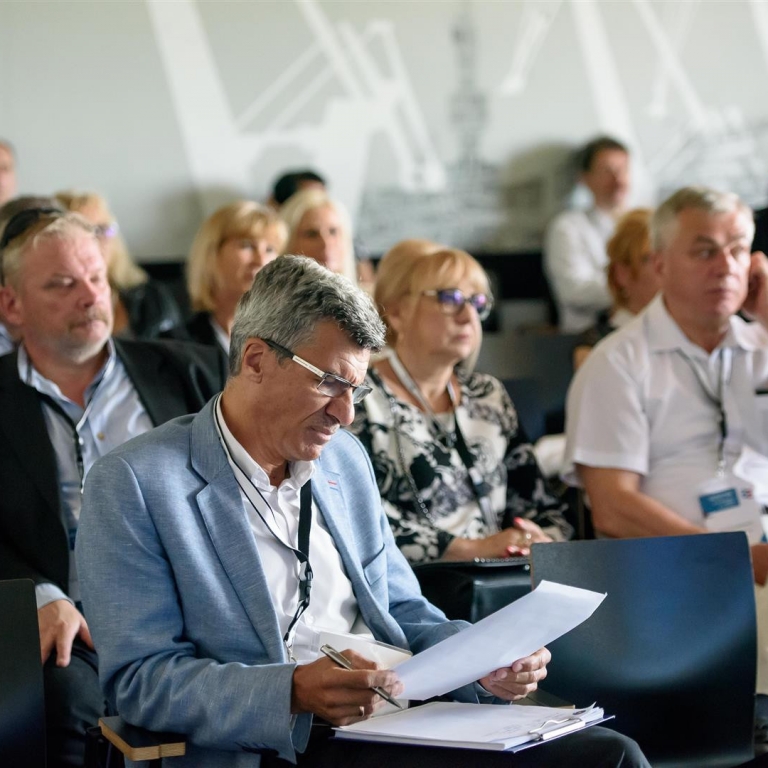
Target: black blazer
198 328
172 379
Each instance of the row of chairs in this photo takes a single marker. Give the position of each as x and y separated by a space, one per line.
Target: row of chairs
671 651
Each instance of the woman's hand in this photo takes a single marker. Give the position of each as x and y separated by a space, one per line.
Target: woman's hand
511 541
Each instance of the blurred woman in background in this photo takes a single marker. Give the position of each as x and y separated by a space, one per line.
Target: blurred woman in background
319 227
143 308
230 247
457 476
632 278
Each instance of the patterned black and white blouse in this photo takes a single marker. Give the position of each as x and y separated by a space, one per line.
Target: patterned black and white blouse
489 423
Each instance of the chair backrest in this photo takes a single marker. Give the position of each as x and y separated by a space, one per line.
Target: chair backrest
672 649
22 709
547 358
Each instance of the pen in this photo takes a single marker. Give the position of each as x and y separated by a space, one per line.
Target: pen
344 662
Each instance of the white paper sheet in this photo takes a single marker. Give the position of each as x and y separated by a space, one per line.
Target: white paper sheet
515 631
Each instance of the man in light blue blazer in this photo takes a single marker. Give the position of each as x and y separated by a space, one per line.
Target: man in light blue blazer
213 549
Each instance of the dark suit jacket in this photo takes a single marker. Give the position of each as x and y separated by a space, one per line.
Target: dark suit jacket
172 379
198 328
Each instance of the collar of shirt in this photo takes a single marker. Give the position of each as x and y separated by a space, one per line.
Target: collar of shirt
221 335
664 334
300 471
31 376
604 222
621 317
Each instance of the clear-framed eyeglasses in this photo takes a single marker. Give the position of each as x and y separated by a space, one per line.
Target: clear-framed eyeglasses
330 384
452 301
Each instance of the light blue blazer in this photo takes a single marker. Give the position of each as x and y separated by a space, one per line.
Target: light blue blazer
177 601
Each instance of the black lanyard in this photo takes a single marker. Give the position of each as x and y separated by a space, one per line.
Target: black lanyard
301 552
77 440
716 398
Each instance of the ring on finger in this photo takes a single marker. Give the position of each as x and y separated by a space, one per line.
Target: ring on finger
362 711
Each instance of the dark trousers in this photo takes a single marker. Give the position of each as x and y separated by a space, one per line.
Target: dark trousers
595 747
73 702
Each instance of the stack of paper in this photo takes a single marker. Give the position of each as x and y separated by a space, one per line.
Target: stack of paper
472 726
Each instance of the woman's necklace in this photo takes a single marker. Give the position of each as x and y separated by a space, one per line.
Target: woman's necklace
447 437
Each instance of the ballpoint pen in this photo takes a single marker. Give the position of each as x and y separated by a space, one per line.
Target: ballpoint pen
344 662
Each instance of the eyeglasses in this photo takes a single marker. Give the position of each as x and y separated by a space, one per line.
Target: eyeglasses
330 384
106 231
20 223
452 301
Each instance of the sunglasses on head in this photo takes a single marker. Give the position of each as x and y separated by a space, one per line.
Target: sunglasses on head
18 224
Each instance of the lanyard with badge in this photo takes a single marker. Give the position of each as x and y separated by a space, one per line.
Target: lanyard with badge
455 439
725 502
301 552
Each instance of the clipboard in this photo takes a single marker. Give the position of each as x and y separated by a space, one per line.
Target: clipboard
490 727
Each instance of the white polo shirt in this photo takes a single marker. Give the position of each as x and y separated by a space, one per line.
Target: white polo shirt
638 404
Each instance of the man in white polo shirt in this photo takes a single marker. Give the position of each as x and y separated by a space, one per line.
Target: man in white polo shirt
667 429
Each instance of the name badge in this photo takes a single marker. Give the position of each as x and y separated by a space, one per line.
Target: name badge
718 501
728 504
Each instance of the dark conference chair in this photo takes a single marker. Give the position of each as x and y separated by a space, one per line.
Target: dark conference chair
22 702
544 359
671 651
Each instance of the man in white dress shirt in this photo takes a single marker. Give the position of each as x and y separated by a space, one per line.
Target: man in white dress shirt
667 429
574 247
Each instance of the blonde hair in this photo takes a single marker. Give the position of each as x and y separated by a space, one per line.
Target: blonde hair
412 266
292 212
122 271
241 219
630 243
51 226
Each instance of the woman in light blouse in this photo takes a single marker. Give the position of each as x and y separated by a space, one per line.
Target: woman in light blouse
457 476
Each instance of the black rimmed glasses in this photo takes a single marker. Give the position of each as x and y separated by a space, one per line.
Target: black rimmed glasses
18 224
330 384
452 301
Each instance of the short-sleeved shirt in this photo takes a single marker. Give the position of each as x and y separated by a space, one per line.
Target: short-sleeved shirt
637 404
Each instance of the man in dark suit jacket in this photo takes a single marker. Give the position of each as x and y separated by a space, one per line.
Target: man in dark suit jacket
67 396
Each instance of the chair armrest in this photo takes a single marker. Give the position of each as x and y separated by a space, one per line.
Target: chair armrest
139 744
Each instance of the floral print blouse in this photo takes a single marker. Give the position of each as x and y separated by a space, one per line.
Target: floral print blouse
412 459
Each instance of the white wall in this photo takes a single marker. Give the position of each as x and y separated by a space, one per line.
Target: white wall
450 120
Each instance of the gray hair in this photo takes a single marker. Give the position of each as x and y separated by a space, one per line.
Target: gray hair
700 198
51 226
287 300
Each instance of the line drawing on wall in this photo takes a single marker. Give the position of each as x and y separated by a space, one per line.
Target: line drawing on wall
221 146
675 136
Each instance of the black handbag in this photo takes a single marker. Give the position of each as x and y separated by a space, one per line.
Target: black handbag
474 589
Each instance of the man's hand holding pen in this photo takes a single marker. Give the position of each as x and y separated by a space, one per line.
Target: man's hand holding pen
341 696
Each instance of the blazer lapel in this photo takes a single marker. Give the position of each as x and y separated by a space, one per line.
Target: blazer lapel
23 425
148 370
328 493
222 510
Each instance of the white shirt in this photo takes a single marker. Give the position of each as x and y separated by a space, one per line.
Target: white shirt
575 262
222 337
333 606
6 342
637 404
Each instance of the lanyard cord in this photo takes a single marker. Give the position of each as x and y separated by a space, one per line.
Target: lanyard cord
413 388
479 486
305 524
74 427
716 398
